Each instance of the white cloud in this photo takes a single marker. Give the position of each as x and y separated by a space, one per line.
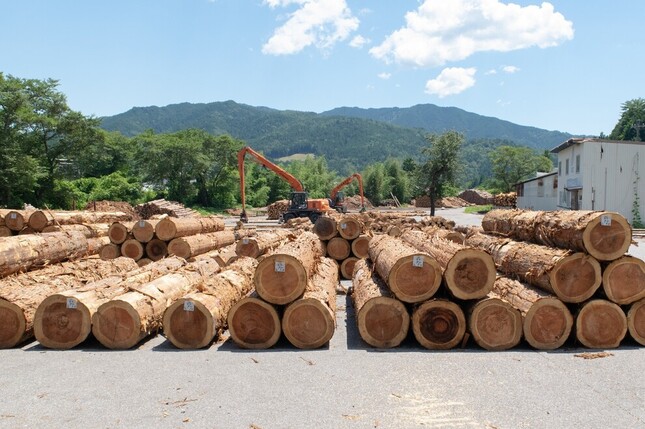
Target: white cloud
358 42
491 71
384 76
451 81
510 69
321 23
443 31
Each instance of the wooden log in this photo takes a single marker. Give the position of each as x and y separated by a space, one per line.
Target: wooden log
494 323
169 228
120 231
623 280
547 320
40 219
361 246
22 253
338 248
191 246
132 249
469 273
156 249
110 251
89 230
604 235
264 241
349 227
309 322
144 261
438 324
64 319
573 277
383 320
601 324
21 294
5 231
27 230
193 321
412 276
254 323
282 276
223 256
347 267
144 230
636 321
130 317
326 228
447 234
15 220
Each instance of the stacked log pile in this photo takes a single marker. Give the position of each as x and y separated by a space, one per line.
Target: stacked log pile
164 207
477 196
345 240
508 199
277 209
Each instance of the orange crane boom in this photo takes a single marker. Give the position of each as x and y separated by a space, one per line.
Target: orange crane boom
347 181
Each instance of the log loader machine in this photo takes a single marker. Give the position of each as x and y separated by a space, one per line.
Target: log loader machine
337 198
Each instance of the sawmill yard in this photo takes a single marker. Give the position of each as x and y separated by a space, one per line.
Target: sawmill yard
362 377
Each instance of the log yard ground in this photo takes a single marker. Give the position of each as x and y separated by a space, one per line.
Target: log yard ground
345 384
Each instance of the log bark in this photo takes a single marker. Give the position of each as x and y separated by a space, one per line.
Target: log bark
573 277
326 228
194 320
64 319
494 323
338 248
349 227
636 321
27 252
126 319
120 231
191 246
361 246
89 230
412 276
21 294
447 234
156 249
309 322
601 324
469 273
15 220
547 320
604 235
144 261
438 324
347 267
623 280
169 228
383 321
263 242
110 251
41 219
282 276
132 249
254 323
144 230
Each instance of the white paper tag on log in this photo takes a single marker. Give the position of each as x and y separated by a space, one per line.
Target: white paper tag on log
13 216
189 306
417 261
343 226
605 220
280 266
71 303
245 240
142 223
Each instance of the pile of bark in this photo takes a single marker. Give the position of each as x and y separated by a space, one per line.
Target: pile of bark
452 202
345 240
506 200
477 197
164 207
277 209
422 201
354 202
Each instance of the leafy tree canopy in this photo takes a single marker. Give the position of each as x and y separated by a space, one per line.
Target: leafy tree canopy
631 125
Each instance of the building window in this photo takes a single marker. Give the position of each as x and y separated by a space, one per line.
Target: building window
559 168
566 168
555 183
577 163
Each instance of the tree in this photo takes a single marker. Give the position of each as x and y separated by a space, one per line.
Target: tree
511 164
374 183
631 125
441 164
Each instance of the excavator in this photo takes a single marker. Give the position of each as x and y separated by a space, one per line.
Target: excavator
336 197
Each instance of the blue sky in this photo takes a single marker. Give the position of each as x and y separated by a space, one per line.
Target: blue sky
563 65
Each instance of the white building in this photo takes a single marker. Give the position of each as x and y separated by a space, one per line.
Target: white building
538 193
595 174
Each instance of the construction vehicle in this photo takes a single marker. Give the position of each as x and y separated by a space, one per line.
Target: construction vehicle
336 198
300 204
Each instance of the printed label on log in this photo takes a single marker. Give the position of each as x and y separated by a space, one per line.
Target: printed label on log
13 216
71 303
279 266
142 223
417 261
343 226
605 220
245 241
189 306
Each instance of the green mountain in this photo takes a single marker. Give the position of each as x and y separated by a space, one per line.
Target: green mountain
349 138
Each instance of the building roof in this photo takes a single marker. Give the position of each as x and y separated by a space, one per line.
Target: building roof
539 175
581 140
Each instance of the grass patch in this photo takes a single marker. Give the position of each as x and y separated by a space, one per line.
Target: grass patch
479 209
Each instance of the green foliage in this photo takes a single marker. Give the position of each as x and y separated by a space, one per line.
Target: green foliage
375 183
479 209
631 125
75 194
511 165
637 221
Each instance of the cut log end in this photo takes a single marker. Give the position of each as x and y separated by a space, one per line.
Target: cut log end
360 246
607 237
166 229
248 247
470 274
110 251
188 324
623 280
575 278
495 324
61 322
439 324
12 324
14 220
547 324
415 278
38 220
116 325
308 324
325 228
349 228
143 231
383 322
347 267
338 248
254 324
5 231
636 321
601 325
132 249
156 249
118 233
280 279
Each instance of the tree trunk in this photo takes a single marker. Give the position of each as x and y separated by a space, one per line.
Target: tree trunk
623 280
349 227
41 219
169 228
120 231
309 322
494 323
282 276
338 248
132 249
20 295
188 247
63 320
194 320
27 252
438 324
89 230
263 242
130 317
326 227
347 267
601 324
383 321
361 246
547 321
636 321
254 323
110 251
144 230
604 235
412 276
468 273
573 277
156 249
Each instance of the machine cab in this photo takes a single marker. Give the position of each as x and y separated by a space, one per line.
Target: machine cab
298 200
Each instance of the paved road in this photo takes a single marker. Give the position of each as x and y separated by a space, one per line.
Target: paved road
344 385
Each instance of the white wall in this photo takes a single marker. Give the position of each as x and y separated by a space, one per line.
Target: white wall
539 194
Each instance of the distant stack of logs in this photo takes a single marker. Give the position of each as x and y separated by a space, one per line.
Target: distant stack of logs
164 207
505 200
277 209
344 239
91 224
